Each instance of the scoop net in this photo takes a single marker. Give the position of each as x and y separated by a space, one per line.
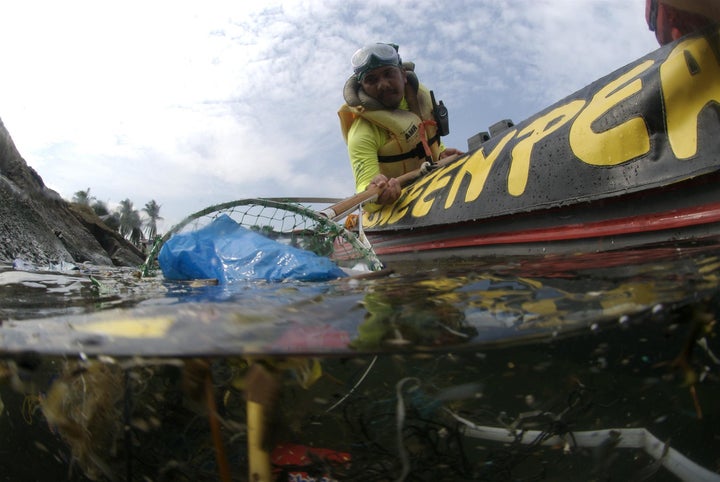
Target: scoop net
285 221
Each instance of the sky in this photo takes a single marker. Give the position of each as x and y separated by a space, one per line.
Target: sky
192 104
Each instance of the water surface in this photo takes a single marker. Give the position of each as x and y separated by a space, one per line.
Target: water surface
464 369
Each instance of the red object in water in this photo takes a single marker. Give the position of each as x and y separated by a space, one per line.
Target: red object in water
295 455
312 338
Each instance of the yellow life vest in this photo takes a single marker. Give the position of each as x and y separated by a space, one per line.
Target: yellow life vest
412 135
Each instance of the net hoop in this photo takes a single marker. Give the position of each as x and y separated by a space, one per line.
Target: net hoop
283 217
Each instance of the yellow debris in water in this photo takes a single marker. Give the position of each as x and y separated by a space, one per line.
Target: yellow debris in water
152 327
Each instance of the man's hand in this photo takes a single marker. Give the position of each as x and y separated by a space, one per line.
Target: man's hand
389 189
450 151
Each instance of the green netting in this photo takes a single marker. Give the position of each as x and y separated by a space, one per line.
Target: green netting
287 222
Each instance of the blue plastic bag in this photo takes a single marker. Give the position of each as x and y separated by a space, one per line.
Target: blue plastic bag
229 252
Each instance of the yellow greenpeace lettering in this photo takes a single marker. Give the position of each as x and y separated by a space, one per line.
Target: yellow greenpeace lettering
418 193
476 167
535 132
437 180
397 211
617 144
404 202
370 219
689 80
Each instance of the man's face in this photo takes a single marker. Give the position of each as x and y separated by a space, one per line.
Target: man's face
386 84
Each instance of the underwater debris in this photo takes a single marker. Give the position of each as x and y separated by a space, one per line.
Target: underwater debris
298 462
82 405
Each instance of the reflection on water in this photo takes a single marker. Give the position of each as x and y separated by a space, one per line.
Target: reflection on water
591 367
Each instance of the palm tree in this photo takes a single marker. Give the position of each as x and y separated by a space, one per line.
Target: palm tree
82 197
100 208
152 209
111 220
129 219
136 236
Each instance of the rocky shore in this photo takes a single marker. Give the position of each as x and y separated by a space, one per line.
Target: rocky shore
39 227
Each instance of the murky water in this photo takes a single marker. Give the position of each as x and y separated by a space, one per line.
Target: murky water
595 367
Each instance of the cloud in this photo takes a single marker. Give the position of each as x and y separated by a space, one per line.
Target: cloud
192 105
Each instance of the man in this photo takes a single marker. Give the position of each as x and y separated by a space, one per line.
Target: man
672 19
388 121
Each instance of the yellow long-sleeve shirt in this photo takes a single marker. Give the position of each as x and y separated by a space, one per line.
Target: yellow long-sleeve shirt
364 139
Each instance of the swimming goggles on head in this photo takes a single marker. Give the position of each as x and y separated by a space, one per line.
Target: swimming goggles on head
373 56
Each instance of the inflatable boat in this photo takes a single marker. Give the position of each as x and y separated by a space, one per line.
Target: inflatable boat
632 159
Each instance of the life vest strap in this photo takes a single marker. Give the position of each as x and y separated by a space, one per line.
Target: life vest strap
424 139
418 151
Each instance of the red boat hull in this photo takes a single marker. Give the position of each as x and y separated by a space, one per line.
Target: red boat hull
687 212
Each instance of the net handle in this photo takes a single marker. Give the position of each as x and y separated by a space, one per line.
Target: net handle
327 216
342 208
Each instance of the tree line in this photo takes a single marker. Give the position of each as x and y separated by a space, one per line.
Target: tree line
125 219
